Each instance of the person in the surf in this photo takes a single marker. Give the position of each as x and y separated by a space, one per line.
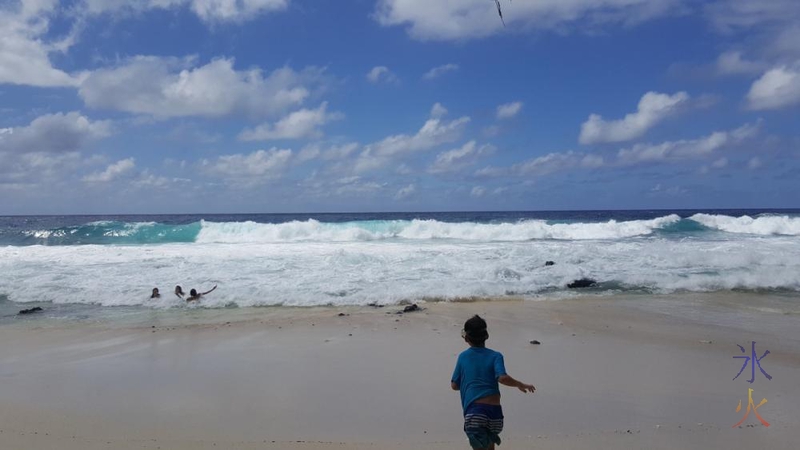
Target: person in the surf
194 295
179 292
155 293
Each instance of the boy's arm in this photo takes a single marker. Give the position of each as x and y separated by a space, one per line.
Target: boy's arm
508 380
210 290
455 380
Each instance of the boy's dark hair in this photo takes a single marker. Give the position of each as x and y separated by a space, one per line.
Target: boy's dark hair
475 331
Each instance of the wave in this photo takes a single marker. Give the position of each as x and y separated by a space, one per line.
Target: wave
765 225
312 230
205 232
109 232
389 272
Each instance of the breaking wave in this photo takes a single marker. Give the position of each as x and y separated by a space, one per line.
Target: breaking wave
312 230
764 225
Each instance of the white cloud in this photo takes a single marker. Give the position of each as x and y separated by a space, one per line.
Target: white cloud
438 111
147 180
671 191
261 164
732 63
350 186
777 88
686 149
342 151
500 190
24 50
652 109
405 192
544 165
720 163
729 63
470 19
477 191
555 162
458 159
27 41
491 171
403 169
172 87
331 153
308 153
771 25
433 133
112 172
37 168
437 72
754 163
53 133
786 41
381 74
206 10
235 10
732 15
509 110
666 152
300 124
48 150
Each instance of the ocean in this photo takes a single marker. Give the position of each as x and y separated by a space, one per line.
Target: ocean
88 267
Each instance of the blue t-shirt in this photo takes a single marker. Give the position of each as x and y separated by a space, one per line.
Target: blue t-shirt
476 374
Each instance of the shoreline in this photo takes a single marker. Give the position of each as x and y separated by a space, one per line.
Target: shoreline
718 306
375 380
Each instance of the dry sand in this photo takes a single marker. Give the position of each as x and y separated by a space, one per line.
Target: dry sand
609 375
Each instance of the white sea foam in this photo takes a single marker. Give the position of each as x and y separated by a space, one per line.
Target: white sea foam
312 230
112 229
45 234
762 225
360 271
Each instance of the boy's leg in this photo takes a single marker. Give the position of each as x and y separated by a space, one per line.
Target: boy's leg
483 424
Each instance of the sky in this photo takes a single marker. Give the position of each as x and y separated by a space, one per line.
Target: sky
271 106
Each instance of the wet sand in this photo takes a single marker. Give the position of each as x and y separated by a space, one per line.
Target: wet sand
609 375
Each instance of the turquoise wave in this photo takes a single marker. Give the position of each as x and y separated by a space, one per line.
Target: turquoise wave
106 233
232 232
684 226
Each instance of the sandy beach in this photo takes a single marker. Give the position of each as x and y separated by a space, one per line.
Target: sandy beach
609 374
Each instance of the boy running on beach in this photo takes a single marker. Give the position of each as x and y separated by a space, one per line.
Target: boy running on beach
477 374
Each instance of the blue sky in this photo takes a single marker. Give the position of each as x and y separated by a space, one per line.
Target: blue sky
191 106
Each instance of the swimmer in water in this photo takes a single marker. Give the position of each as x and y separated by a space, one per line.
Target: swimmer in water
155 293
179 292
194 295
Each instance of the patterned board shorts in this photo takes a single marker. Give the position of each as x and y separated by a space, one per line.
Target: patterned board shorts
483 424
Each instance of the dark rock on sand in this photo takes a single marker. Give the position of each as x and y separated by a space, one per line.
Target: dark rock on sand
375 305
409 308
535 342
549 263
31 311
582 283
